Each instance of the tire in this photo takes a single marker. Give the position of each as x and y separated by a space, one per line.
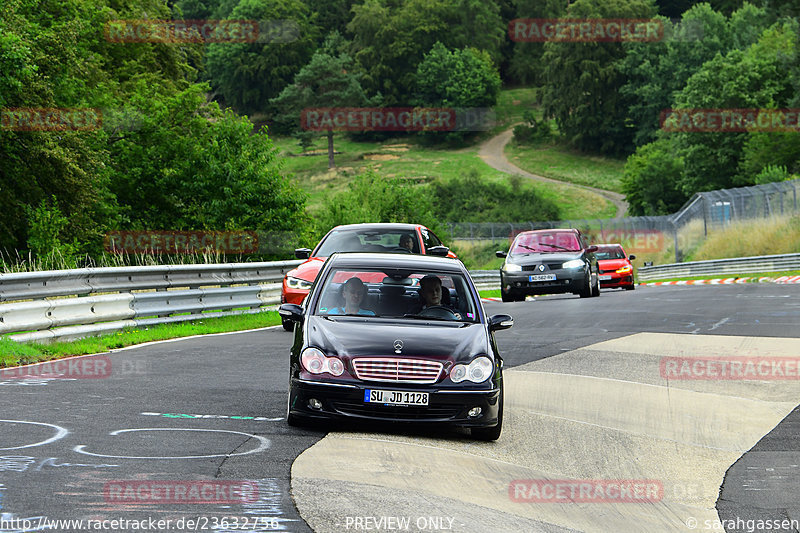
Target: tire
492 433
587 291
596 291
509 297
630 287
287 324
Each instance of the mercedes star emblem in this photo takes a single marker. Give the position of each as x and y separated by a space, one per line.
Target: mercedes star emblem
398 346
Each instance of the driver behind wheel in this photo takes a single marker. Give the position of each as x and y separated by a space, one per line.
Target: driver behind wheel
407 242
430 290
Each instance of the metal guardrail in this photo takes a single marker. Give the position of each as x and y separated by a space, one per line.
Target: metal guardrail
70 304
741 265
485 279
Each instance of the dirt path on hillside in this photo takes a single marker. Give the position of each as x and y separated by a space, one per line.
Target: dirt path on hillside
493 154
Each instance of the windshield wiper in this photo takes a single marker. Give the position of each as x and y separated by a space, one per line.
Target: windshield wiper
557 246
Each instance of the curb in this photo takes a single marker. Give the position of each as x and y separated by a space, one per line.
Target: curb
728 281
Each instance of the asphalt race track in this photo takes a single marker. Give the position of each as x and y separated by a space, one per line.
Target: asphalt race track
192 431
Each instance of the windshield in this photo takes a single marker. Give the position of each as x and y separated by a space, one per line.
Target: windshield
527 243
405 241
411 294
609 252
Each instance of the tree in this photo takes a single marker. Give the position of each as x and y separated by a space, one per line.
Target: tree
754 78
328 80
247 75
650 180
582 90
390 39
191 165
525 65
458 78
372 198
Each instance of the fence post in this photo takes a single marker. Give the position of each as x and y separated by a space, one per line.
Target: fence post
675 236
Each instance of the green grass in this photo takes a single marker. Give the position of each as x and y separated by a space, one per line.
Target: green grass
557 161
13 353
407 159
490 293
511 104
756 275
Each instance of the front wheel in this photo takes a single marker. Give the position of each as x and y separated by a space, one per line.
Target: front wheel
587 289
596 289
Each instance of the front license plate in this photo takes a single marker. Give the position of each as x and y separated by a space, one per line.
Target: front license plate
395 397
605 278
542 277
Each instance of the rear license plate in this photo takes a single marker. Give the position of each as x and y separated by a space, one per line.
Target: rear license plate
395 397
605 278
542 277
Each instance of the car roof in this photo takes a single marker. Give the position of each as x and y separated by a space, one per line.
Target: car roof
378 225
562 230
394 260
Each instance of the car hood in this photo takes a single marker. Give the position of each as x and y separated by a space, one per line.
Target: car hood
535 258
612 264
308 271
352 337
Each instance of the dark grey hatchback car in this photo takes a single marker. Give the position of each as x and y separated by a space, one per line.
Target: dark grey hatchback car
396 338
549 261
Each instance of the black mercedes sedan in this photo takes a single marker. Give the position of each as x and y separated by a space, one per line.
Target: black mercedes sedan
551 261
396 338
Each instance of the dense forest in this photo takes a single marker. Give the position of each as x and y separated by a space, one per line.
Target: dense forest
177 147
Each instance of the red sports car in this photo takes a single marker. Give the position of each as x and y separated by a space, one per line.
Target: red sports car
615 266
383 237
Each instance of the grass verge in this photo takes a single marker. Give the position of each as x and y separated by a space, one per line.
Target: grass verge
557 161
13 353
490 293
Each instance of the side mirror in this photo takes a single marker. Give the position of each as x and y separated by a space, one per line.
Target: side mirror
302 253
441 251
631 257
592 249
291 311
500 253
498 322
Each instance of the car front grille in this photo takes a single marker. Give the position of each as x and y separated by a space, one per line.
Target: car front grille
397 370
550 266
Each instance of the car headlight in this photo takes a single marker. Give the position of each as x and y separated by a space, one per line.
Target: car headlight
479 370
625 269
511 267
315 362
297 283
575 263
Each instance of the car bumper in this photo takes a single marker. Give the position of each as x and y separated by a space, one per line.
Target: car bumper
346 402
616 280
293 296
572 281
